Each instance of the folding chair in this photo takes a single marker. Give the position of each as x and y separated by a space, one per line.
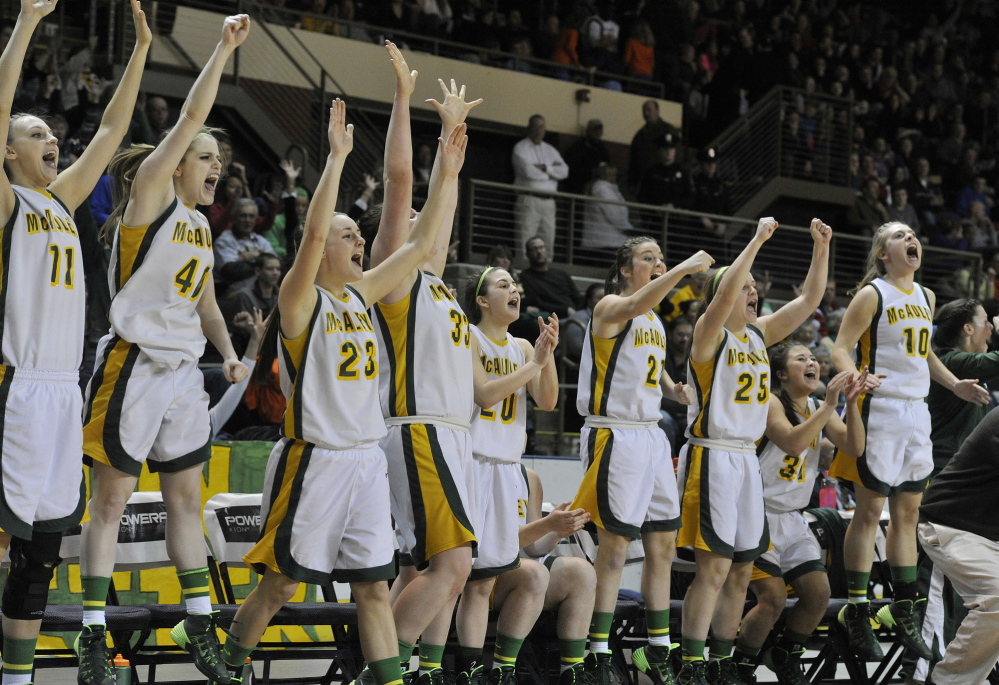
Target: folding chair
233 524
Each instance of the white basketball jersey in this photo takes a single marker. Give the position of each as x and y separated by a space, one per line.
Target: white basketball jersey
156 277
500 432
42 291
424 347
329 374
732 390
898 341
619 376
788 478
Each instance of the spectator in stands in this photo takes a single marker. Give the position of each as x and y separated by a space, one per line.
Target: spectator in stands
711 197
867 212
346 28
536 166
979 228
900 210
666 183
977 191
599 35
435 18
220 213
605 225
574 326
547 289
678 336
500 257
683 299
423 163
320 17
237 249
522 54
583 158
294 203
951 237
926 195
256 295
158 113
642 153
640 51
393 15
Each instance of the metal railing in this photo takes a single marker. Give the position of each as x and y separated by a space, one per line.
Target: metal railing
583 242
461 51
789 133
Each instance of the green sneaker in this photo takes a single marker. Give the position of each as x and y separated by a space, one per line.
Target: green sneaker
856 619
902 616
787 665
196 635
693 673
91 649
724 672
653 661
600 668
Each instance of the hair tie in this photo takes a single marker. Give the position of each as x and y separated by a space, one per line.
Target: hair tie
717 278
478 286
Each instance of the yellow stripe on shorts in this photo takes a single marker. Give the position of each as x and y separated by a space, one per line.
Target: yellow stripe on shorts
690 513
263 553
587 495
93 431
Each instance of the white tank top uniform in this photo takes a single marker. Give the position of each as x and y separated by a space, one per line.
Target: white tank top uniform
898 452
328 467
629 486
499 435
787 488
158 413
425 383
719 463
42 314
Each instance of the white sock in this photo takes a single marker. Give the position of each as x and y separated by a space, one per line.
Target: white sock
17 679
93 616
198 605
599 646
859 600
660 640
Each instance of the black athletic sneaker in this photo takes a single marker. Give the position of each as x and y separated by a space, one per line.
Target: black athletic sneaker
600 668
92 650
787 665
747 671
902 616
724 672
196 635
653 661
575 675
856 619
693 673
477 676
435 676
502 675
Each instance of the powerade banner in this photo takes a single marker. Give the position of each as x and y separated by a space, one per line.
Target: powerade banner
234 467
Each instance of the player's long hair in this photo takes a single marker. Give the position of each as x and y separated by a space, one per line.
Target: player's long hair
950 320
622 258
778 363
122 171
268 350
875 265
476 285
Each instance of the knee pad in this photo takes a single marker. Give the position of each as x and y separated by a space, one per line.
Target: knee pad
32 565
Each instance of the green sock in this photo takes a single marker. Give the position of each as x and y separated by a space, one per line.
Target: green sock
507 649
571 652
692 650
386 671
194 590
18 656
430 656
745 653
791 641
856 586
657 622
95 595
600 625
405 653
719 648
903 579
234 654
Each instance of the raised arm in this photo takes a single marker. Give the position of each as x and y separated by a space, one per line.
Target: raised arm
489 392
75 184
616 309
385 279
32 12
297 296
152 190
708 329
398 174
782 323
453 111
